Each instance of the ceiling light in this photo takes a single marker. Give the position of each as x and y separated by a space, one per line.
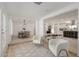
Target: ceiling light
38 3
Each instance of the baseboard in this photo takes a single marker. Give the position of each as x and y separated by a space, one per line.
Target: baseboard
4 53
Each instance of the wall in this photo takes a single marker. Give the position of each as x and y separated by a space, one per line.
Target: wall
18 24
78 33
57 25
62 20
39 32
58 12
5 36
0 32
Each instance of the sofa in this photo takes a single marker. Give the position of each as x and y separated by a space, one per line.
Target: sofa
56 46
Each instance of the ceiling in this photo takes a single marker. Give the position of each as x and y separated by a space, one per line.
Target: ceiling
30 9
68 16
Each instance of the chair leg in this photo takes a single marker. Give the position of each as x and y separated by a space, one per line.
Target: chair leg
63 50
67 52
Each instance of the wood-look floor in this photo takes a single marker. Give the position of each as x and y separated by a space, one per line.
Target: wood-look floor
25 48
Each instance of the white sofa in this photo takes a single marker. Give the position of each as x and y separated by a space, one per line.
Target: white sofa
58 45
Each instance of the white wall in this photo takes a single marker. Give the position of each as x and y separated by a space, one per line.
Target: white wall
18 24
5 37
0 32
59 24
72 8
58 12
37 27
60 21
78 33
63 10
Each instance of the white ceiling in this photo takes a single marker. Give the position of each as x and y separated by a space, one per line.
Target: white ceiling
68 16
29 9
